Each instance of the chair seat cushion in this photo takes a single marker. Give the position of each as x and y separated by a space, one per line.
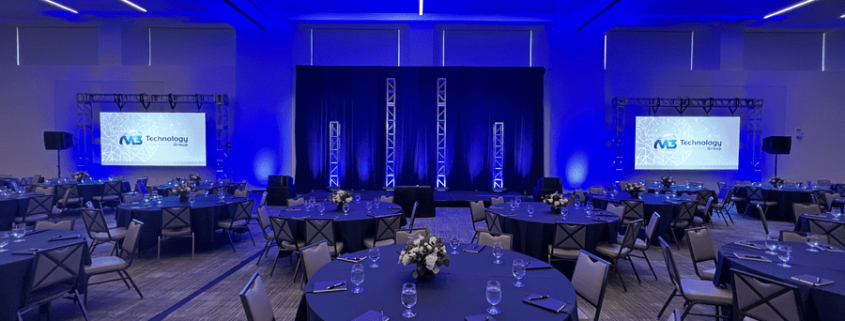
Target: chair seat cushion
706 292
701 208
708 274
611 250
680 224
31 218
105 264
292 247
228 224
566 254
737 199
480 229
70 200
269 236
639 244
698 220
176 231
764 203
106 198
339 246
368 242
117 233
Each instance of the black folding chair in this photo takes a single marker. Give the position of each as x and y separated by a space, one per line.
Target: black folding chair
568 242
53 275
634 210
493 225
765 299
317 230
176 221
386 227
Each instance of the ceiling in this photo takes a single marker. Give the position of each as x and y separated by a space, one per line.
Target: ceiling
596 14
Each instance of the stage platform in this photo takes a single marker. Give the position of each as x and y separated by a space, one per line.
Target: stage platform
441 199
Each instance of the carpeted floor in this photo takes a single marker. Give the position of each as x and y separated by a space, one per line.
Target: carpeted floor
178 288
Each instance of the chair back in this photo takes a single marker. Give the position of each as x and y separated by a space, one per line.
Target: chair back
829 198
634 210
243 211
824 182
493 224
805 208
55 266
317 230
242 193
690 196
66 225
413 215
94 221
314 257
263 201
404 235
386 227
579 193
133 197
497 200
763 219
701 196
242 185
596 190
728 195
175 217
255 301
630 237
141 188
40 205
130 242
112 188
754 193
651 181
671 267
590 279
651 229
800 237
36 179
570 236
296 201
387 199
45 189
485 238
834 231
70 190
765 299
622 184
477 211
263 219
701 247
616 209
687 212
721 186
282 230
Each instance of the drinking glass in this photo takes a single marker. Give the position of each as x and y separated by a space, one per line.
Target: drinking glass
512 204
320 207
589 209
577 204
376 202
345 208
369 207
192 199
409 299
357 197
812 241
518 270
18 232
530 210
4 240
498 250
146 199
785 255
455 243
312 200
221 195
494 296
374 255
518 201
205 192
358 277
307 206
837 212
772 243
565 211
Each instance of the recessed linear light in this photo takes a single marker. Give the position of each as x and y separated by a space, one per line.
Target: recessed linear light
421 7
787 9
842 16
134 5
61 6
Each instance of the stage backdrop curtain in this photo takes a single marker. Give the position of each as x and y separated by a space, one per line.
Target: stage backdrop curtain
476 98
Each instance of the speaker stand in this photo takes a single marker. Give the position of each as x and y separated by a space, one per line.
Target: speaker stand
776 165
59 166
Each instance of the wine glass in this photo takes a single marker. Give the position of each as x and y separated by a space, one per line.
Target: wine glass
409 299
589 209
192 199
18 232
455 243
785 255
577 204
307 206
4 240
345 208
358 277
837 212
376 202
357 197
517 201
498 250
518 270
320 207
512 204
369 207
374 255
312 200
494 296
221 195
772 243
530 210
564 211
812 241
147 200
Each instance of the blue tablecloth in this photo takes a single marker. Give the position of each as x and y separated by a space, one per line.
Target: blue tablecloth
532 235
803 224
87 190
668 210
351 228
456 292
14 269
677 190
784 196
819 303
164 190
13 206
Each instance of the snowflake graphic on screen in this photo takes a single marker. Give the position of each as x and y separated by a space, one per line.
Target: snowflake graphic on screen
120 142
650 130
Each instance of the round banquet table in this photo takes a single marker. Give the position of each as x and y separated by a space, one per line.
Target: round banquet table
12 206
456 292
87 190
351 228
819 302
839 202
205 213
164 190
785 197
668 210
532 235
803 222
678 190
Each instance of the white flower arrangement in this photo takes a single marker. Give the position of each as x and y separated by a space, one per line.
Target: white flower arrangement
776 181
340 197
667 181
183 188
80 175
194 177
555 200
635 188
428 251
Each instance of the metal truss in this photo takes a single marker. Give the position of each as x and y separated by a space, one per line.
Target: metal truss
334 154
441 134
390 138
753 122
498 156
85 119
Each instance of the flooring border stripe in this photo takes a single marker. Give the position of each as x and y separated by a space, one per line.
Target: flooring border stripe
204 288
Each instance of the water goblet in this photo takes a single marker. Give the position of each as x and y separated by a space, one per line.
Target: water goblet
146 199
455 243
320 207
812 241
785 255
772 243
205 192
498 250
307 206
530 210
18 232
376 202
512 204
192 199
589 209
837 212
494 296
312 200
374 255
564 211
4 240
221 195
518 270
577 204
369 207
357 277
409 299
357 197
518 201
345 208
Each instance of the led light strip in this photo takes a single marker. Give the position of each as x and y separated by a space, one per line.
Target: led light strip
787 9
61 6
134 5
421 7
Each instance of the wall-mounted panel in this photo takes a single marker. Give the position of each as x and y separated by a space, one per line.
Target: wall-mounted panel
135 45
195 46
782 51
834 51
59 46
355 47
492 48
665 50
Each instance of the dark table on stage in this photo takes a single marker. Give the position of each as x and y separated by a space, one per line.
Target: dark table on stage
532 235
456 292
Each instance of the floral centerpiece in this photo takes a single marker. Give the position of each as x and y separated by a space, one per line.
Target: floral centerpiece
183 190
340 197
635 189
667 181
79 176
428 253
556 201
195 178
776 181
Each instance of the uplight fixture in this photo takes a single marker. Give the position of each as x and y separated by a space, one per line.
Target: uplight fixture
800 4
61 6
134 5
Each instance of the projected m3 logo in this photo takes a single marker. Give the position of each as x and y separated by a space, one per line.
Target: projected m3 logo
666 142
132 138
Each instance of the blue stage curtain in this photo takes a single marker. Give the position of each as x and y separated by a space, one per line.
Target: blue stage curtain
476 98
